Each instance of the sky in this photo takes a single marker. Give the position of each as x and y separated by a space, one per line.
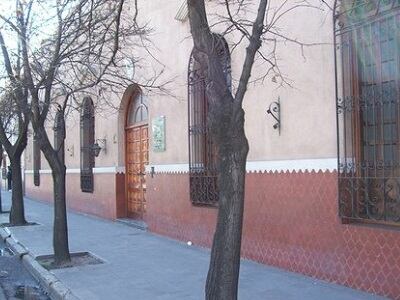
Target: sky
5 9
39 15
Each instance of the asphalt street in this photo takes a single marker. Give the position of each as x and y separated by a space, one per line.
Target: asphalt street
15 281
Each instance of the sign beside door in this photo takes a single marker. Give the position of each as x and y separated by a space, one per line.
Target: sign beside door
158 133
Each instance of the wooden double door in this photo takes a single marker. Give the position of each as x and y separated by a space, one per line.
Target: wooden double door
137 157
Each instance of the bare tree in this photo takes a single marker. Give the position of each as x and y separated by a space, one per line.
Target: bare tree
14 121
82 54
226 117
1 198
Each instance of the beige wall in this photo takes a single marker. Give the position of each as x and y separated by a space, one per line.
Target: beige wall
308 107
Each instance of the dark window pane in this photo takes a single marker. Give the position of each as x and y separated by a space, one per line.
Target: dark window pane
36 163
87 142
369 132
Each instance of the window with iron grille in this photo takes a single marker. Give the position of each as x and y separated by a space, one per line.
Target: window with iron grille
367 37
36 162
87 142
202 152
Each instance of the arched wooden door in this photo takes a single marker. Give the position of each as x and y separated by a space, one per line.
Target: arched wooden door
137 156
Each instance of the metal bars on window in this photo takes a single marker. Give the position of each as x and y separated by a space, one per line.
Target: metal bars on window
202 151
36 162
87 142
368 110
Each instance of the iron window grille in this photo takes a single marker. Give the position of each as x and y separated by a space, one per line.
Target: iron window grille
87 141
202 151
36 162
367 41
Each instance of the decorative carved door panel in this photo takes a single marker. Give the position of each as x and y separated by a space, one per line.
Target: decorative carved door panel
137 157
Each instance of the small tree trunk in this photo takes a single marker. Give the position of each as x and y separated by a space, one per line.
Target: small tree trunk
60 233
17 214
1 199
1 162
223 274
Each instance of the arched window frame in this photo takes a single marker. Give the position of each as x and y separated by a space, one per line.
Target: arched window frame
87 140
138 111
368 109
202 151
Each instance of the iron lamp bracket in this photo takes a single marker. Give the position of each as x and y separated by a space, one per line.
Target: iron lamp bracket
275 111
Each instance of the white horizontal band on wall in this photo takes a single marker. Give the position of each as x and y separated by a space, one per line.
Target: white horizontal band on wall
322 164
99 170
173 168
296 165
40 171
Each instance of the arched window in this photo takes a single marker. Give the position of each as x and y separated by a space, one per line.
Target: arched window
368 105
87 142
36 162
138 110
202 153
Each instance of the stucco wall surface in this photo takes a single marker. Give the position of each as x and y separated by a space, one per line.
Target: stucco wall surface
307 106
291 221
102 202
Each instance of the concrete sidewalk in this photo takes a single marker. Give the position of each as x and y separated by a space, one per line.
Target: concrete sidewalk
143 266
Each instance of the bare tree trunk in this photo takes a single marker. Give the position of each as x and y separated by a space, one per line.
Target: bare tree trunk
60 233
226 122
223 273
60 225
57 165
17 214
55 156
1 163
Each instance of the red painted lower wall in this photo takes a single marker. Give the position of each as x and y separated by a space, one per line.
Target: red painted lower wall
107 200
291 221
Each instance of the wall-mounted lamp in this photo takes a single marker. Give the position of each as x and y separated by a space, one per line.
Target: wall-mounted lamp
275 111
100 144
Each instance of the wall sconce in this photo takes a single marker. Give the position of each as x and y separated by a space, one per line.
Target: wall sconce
275 111
96 148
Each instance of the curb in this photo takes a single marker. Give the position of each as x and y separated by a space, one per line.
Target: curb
52 285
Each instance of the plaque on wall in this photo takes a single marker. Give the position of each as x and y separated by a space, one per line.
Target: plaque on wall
158 133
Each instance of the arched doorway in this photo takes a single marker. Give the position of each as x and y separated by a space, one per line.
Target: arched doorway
136 155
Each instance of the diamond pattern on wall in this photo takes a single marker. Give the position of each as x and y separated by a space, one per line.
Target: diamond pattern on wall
291 221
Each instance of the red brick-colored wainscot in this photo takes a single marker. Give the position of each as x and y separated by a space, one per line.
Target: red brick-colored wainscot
169 210
291 221
104 202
